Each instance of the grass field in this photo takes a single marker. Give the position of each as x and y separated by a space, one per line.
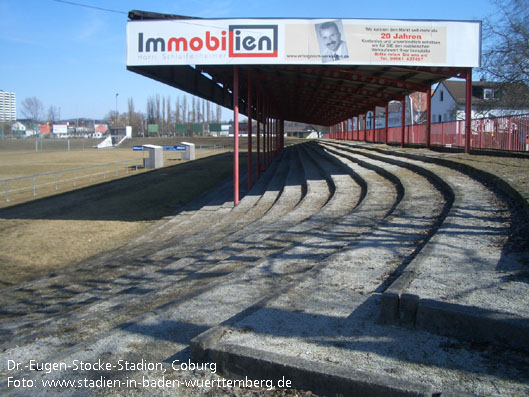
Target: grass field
18 158
47 234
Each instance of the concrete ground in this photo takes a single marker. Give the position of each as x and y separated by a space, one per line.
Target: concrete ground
347 270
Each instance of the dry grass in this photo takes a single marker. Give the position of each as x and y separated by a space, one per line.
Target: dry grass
51 233
17 160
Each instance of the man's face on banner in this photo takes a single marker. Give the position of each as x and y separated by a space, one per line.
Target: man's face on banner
331 37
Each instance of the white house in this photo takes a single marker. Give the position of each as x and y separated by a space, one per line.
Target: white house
449 98
18 126
21 130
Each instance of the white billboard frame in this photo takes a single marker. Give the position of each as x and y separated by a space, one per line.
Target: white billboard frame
60 129
304 42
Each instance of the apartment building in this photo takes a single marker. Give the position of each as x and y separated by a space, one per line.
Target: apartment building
8 106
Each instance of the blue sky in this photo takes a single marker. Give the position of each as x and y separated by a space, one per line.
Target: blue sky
73 57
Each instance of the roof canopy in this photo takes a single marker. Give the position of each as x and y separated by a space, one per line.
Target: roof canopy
313 71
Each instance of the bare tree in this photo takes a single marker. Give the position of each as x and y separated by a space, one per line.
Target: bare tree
506 34
177 111
506 50
184 110
164 117
169 115
32 108
134 119
151 111
130 114
54 114
219 113
158 109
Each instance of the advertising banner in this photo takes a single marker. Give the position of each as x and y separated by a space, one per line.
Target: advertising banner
152 128
102 128
60 129
304 41
44 129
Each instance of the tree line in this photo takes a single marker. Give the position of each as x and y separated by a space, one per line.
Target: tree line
161 111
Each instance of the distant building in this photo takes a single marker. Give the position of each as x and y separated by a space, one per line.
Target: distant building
488 100
8 106
18 128
302 130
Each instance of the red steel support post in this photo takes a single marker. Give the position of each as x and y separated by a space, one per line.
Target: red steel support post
268 122
235 135
402 120
374 123
269 144
386 124
282 134
272 148
278 138
365 127
468 110
265 128
268 132
510 132
249 128
428 117
272 140
258 104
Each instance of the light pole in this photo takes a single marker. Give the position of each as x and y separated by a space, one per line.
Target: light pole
117 93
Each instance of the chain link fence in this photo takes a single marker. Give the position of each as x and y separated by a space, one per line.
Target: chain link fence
45 184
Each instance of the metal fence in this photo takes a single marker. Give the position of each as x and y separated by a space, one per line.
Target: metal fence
50 182
509 133
48 144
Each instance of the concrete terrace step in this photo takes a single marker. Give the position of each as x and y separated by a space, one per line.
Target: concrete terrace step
323 332
295 292
466 282
286 188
